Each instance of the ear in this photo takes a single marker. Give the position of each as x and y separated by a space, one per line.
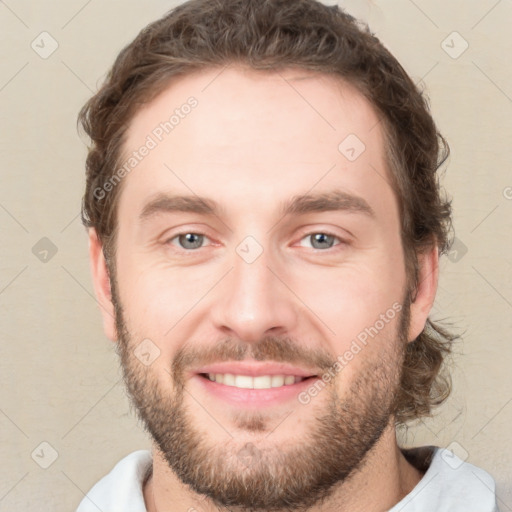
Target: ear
428 274
101 282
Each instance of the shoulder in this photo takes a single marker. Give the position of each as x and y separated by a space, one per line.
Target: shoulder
449 484
121 489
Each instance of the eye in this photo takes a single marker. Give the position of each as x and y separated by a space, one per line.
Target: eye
188 241
321 240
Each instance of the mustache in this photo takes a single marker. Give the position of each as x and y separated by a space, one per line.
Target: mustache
282 350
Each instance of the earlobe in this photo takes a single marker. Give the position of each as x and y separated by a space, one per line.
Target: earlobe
425 293
101 282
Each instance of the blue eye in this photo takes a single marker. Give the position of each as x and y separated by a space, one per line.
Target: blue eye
321 240
193 241
189 240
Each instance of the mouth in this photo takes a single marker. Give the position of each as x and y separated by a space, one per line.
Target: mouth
253 384
250 382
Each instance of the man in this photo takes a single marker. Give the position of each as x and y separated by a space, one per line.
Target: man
265 224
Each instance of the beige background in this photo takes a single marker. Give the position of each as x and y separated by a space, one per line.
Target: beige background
60 382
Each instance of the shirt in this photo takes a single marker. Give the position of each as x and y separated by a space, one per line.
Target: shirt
448 485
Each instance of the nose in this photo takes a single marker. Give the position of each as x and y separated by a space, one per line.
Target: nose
254 301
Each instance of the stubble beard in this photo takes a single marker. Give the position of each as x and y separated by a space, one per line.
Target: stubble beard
261 475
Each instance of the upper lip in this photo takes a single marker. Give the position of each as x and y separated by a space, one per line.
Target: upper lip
256 368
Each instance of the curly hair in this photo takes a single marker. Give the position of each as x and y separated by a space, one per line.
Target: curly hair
273 35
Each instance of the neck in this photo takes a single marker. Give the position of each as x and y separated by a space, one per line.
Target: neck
384 478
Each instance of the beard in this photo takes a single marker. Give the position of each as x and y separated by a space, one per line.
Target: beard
297 473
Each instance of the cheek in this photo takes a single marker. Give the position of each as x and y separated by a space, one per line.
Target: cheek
158 301
347 300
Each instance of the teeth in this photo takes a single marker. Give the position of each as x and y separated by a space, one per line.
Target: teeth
277 381
262 382
259 382
229 380
243 381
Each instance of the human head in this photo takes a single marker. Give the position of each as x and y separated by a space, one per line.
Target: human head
396 225
273 35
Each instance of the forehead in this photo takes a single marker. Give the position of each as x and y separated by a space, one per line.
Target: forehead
234 134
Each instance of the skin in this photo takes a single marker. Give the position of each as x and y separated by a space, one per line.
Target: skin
254 141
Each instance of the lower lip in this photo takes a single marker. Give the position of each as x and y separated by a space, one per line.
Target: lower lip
251 398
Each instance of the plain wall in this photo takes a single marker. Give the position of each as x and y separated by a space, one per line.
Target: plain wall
59 380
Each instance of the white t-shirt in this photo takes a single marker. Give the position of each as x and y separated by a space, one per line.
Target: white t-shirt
448 485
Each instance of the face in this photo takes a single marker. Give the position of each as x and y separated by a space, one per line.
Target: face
259 285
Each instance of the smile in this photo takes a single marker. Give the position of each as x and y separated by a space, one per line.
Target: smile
253 384
250 382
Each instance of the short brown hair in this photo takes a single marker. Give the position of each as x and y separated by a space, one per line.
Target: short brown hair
273 35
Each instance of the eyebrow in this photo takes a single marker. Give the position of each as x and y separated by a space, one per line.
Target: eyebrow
165 203
335 200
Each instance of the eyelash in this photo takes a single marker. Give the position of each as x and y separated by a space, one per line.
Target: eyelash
306 235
